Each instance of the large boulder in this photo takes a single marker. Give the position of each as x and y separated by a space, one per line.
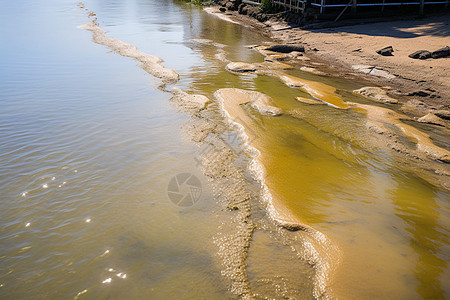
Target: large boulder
286 48
421 54
443 52
386 51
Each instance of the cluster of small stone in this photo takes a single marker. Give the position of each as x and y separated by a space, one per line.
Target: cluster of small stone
421 54
424 54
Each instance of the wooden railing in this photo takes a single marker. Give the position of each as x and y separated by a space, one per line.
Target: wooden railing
299 5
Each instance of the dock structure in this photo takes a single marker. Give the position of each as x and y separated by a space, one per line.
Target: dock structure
339 7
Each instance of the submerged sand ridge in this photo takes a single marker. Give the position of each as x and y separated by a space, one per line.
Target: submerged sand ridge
150 63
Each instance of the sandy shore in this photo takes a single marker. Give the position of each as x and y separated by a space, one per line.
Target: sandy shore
350 51
348 46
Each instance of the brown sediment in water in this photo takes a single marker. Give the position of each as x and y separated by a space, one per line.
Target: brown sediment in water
235 194
318 90
316 247
425 149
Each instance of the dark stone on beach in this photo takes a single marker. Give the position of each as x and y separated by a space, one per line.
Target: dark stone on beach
222 9
286 48
421 54
443 52
425 55
419 94
386 51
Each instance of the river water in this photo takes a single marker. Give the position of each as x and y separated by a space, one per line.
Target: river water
89 143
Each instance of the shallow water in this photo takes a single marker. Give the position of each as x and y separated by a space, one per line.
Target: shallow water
88 145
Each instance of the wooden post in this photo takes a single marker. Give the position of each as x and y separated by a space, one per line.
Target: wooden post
422 4
354 7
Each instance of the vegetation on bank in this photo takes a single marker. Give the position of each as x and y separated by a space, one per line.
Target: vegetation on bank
267 6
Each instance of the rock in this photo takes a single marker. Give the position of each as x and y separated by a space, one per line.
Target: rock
241 67
376 94
421 54
363 68
443 52
286 48
222 9
381 73
386 51
431 118
419 94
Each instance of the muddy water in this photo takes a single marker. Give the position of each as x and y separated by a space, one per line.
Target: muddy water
89 142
